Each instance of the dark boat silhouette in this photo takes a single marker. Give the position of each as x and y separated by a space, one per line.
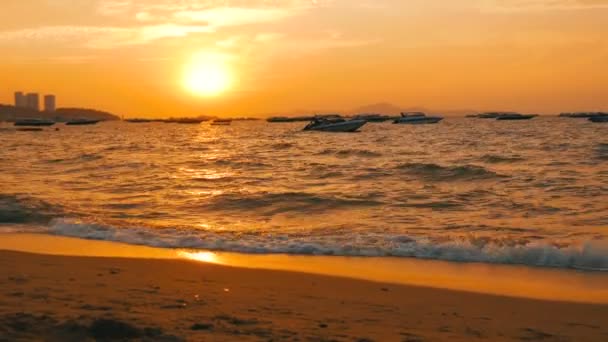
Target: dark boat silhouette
34 122
82 122
417 118
516 117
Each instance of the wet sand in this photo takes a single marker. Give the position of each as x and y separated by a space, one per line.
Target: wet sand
68 298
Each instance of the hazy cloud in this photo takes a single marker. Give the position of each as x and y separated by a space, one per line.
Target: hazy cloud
143 22
540 5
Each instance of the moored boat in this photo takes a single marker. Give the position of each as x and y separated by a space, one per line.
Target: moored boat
184 121
516 116
417 118
34 122
598 119
139 120
221 122
82 122
334 125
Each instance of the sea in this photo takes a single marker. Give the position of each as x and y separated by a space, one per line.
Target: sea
465 190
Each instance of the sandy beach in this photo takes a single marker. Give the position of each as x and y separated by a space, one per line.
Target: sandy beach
68 298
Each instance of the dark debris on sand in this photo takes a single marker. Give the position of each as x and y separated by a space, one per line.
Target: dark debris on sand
25 327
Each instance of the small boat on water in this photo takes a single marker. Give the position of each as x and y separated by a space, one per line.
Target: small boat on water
584 115
516 116
34 122
30 129
417 118
281 119
139 120
184 121
598 119
81 122
221 122
334 125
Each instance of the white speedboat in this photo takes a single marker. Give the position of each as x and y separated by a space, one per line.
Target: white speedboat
334 125
417 118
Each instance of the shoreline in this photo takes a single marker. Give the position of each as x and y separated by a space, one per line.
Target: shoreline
565 285
78 298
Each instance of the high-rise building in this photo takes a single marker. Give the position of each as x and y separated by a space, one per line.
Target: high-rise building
20 100
49 103
32 101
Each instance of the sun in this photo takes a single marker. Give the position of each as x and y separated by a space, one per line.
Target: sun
207 77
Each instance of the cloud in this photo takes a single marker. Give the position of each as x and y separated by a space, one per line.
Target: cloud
542 5
102 37
146 21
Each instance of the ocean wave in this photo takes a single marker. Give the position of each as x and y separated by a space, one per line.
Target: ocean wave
17 208
497 159
347 153
591 254
601 151
275 203
438 172
85 157
282 146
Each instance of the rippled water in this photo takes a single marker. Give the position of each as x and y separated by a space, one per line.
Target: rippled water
533 192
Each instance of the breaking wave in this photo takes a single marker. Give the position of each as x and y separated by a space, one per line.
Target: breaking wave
591 255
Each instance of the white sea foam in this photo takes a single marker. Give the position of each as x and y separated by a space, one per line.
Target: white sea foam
544 253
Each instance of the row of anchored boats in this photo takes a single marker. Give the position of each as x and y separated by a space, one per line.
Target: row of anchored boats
336 123
45 122
184 121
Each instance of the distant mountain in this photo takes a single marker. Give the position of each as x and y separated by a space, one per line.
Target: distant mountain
75 113
11 113
389 108
381 108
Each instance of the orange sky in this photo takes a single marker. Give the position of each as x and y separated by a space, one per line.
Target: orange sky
130 56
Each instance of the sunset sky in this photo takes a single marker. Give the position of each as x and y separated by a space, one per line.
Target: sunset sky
146 57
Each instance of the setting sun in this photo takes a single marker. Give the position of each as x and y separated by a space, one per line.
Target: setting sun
207 77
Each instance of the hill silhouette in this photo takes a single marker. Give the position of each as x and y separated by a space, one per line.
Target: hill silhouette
389 108
12 113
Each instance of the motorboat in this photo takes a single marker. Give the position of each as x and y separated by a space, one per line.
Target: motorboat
599 118
516 116
334 125
417 118
281 119
584 115
221 122
34 122
82 122
184 121
137 120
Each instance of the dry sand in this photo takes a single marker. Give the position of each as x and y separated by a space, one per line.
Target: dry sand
57 298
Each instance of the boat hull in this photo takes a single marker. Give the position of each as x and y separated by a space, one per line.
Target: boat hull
346 126
598 119
34 124
417 121
513 118
81 123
